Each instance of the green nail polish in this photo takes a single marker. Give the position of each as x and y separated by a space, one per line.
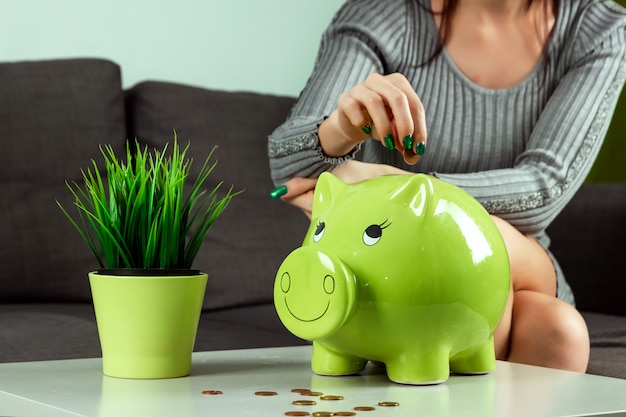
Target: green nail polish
408 142
367 129
279 192
420 148
389 142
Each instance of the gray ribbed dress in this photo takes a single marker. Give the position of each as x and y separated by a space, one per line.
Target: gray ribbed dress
521 151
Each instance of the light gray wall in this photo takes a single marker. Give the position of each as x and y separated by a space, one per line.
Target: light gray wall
266 46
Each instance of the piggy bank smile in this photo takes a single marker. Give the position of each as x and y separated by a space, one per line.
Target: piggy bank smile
317 293
316 308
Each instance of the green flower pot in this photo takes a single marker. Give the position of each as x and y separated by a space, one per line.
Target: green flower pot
147 324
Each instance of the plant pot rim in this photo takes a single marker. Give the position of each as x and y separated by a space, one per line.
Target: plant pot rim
148 272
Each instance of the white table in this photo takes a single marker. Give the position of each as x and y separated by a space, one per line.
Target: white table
78 388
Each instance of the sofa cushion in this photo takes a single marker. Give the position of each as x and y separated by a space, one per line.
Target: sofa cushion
53 116
48 331
246 245
588 240
256 326
66 331
53 331
608 344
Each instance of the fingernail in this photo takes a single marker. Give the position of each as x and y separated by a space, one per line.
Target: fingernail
408 142
367 129
278 192
389 142
420 148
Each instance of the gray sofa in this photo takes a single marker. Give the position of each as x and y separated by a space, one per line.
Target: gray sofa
55 114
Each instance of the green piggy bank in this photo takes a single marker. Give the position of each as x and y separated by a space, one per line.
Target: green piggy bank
406 270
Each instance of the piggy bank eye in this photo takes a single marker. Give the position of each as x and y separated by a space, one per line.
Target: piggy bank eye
372 234
319 231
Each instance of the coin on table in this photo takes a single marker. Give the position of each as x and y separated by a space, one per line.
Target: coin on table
388 404
331 397
297 413
265 393
303 402
323 414
300 390
364 408
312 393
344 413
211 392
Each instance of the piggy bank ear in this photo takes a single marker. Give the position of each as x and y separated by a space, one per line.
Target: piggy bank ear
328 187
413 192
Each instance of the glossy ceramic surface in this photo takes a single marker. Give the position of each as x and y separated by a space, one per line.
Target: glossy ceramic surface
406 270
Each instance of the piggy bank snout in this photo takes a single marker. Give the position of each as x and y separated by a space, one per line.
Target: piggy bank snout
314 293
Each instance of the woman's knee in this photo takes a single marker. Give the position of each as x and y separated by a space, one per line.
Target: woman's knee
549 332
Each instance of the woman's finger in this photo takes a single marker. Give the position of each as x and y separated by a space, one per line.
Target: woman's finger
294 187
392 117
366 109
352 115
398 105
304 202
413 147
386 108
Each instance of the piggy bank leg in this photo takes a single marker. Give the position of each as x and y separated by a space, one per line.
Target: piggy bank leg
480 360
422 367
328 361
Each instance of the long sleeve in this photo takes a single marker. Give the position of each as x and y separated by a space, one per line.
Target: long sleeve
362 37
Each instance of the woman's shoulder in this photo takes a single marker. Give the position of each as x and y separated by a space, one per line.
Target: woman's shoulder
598 7
379 12
386 23
590 22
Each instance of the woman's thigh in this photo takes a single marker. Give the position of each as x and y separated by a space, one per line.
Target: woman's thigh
531 266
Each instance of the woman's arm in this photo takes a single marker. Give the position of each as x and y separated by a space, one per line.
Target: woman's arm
365 37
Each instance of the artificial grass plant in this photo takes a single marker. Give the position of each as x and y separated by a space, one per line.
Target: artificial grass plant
138 216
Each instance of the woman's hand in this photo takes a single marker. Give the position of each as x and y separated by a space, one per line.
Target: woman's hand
355 171
300 190
383 107
299 193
